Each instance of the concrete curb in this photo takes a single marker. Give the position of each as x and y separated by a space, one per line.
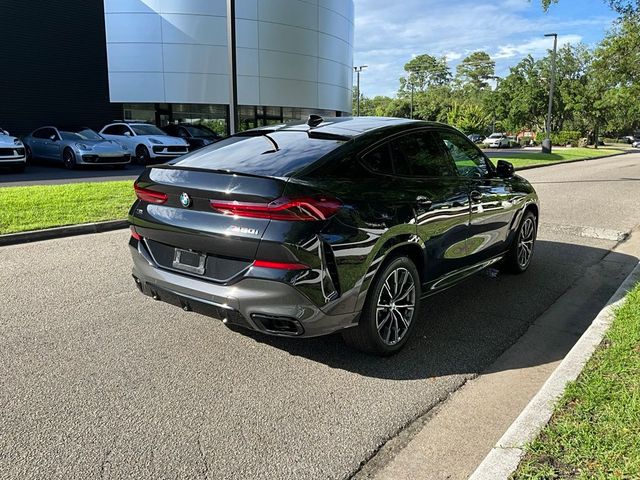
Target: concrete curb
59 232
505 456
531 167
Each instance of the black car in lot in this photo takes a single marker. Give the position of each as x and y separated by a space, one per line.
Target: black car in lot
337 224
197 136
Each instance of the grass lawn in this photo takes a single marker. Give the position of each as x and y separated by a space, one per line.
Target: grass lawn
595 430
526 159
46 206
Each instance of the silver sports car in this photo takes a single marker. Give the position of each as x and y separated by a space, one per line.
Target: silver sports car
74 146
11 152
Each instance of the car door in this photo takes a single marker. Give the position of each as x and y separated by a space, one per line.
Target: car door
492 198
52 145
117 134
441 201
36 142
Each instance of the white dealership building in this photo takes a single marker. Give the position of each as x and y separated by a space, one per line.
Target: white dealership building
168 60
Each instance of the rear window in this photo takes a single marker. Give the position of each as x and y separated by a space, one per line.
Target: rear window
278 154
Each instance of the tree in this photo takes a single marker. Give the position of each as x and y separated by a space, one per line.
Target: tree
469 118
425 71
623 7
476 70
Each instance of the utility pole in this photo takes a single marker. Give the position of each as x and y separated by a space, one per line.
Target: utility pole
233 70
412 89
546 145
358 69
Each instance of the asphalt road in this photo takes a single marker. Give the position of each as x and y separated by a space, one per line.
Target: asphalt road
98 381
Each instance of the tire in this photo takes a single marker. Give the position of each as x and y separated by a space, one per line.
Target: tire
18 169
28 155
520 253
69 159
384 331
142 155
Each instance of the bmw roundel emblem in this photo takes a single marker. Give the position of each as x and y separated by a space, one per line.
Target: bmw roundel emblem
185 199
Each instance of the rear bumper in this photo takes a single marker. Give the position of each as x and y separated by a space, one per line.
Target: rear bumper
267 306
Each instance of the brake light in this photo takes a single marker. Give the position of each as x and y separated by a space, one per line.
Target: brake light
303 209
150 196
135 234
280 265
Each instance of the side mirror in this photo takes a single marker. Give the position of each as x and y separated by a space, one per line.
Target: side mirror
127 134
505 169
53 138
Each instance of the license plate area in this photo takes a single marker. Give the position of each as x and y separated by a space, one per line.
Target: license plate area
189 261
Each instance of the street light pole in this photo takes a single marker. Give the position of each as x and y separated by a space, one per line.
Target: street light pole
546 145
233 71
358 69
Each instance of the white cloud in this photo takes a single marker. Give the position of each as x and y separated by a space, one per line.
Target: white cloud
388 33
536 46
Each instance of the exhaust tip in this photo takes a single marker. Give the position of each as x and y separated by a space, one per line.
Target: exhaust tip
278 325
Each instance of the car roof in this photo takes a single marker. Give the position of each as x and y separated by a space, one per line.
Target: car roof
350 127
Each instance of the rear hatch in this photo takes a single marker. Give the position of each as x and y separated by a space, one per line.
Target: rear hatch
176 212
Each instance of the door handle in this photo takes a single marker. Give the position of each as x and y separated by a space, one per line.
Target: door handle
476 196
423 201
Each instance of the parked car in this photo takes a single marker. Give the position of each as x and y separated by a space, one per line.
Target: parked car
74 146
476 138
12 152
338 224
496 140
147 142
197 136
636 143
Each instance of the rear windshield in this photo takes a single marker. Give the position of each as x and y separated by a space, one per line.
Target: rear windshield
279 154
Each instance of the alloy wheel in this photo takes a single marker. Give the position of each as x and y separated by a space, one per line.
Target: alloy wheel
69 159
396 306
525 242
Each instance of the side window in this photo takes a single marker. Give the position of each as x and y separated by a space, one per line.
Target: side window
40 133
183 133
379 160
112 130
421 154
469 161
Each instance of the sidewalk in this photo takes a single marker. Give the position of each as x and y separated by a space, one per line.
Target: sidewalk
453 439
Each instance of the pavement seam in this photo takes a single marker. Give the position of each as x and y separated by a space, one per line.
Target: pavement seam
505 456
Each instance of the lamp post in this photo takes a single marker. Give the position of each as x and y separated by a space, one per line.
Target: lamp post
546 144
233 71
358 69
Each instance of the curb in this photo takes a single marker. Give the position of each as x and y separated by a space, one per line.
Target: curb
505 456
60 232
531 167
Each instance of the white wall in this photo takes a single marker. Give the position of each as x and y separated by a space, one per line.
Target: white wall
291 53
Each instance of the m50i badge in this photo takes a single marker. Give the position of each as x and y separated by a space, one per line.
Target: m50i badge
243 230
185 199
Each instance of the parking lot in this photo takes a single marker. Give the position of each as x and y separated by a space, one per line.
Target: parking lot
98 380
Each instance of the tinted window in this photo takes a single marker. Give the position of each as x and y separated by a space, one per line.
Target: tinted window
469 161
274 154
80 134
116 130
41 133
147 130
420 154
379 160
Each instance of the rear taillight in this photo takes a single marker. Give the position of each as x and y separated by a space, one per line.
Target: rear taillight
280 265
150 196
303 209
135 234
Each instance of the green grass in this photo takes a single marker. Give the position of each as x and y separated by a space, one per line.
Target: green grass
46 206
595 430
526 159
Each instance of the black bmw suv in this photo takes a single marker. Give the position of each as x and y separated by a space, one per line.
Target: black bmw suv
336 224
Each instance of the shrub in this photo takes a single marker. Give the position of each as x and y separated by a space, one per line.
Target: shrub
565 137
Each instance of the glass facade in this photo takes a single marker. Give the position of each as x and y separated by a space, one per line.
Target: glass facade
215 116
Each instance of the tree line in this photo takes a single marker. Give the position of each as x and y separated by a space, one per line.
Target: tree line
597 89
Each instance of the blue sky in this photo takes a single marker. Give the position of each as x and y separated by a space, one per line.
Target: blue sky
389 32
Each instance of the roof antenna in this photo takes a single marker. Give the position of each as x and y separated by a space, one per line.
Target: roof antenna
314 120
